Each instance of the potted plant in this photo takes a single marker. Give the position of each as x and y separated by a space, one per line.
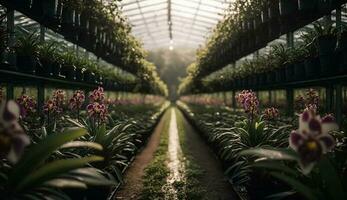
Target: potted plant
36 8
324 6
68 69
49 8
312 66
298 58
27 52
288 7
22 4
49 59
326 41
277 60
68 16
89 75
307 7
274 14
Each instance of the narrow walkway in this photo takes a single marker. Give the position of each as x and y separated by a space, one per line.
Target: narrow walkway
174 152
193 147
133 185
214 180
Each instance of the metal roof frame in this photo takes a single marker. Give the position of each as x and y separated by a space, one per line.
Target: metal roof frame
183 21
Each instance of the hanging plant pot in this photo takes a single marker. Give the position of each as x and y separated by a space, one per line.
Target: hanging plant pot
22 4
69 71
67 22
328 64
49 8
324 6
312 67
26 64
273 10
299 71
289 72
288 7
264 15
307 7
326 44
36 8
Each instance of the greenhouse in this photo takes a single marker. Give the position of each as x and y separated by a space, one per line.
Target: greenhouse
173 99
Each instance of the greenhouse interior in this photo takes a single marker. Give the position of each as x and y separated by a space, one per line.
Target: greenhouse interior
173 99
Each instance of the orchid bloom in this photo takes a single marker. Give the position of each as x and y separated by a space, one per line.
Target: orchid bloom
97 111
97 95
77 100
59 97
312 139
249 102
13 139
50 107
271 113
27 105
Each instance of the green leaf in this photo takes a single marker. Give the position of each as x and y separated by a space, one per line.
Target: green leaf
296 185
66 183
273 154
53 170
332 179
275 166
78 144
91 176
39 152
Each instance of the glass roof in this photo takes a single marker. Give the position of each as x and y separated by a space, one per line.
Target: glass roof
175 23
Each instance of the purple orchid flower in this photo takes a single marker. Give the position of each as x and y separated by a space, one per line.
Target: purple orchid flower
13 139
312 139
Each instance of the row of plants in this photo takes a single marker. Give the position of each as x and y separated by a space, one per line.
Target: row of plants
319 52
249 25
266 157
92 24
71 148
53 59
